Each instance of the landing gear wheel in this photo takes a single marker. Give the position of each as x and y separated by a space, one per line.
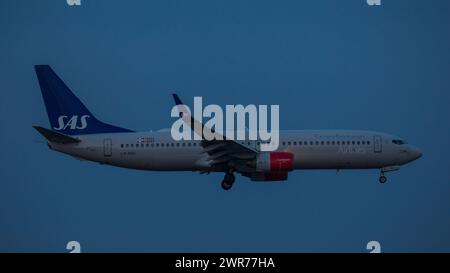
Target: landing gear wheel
226 186
228 181
382 179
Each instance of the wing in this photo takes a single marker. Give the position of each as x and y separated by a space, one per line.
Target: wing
223 153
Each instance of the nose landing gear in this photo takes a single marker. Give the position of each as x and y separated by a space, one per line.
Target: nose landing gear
383 170
228 180
382 178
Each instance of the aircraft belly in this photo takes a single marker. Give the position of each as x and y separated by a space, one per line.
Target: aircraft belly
159 161
330 160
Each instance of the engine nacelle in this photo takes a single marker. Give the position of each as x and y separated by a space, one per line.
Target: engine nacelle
268 162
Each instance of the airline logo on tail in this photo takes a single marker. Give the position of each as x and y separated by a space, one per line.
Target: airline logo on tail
67 114
71 123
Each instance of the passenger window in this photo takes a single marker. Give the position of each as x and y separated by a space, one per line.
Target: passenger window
358 142
132 145
322 143
195 143
295 143
363 143
157 144
289 143
178 144
189 144
348 142
311 143
317 142
171 144
183 144
332 142
121 145
368 142
353 143
328 143
147 145
152 145
284 143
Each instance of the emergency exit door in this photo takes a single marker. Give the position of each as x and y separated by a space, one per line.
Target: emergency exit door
107 147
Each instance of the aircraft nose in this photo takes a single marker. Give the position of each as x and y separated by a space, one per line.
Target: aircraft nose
415 153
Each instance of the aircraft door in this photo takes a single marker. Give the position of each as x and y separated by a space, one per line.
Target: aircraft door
107 147
377 144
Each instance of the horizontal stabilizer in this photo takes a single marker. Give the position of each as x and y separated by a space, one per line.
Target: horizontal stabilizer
56 137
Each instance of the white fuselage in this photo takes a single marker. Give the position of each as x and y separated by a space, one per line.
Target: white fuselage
312 149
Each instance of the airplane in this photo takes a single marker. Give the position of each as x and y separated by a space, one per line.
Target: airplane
75 131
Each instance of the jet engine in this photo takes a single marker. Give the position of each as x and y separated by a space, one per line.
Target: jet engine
274 162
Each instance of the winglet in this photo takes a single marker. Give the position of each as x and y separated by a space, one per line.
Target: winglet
177 99
178 102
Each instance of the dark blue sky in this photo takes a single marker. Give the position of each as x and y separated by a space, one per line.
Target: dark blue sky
328 64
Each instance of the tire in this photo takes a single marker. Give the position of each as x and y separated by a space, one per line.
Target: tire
382 179
229 178
226 186
228 181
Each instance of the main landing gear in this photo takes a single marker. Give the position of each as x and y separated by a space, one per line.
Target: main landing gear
228 181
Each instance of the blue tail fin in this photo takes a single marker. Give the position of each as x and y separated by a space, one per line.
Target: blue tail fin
66 112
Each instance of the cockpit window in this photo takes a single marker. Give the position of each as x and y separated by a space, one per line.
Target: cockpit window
398 141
